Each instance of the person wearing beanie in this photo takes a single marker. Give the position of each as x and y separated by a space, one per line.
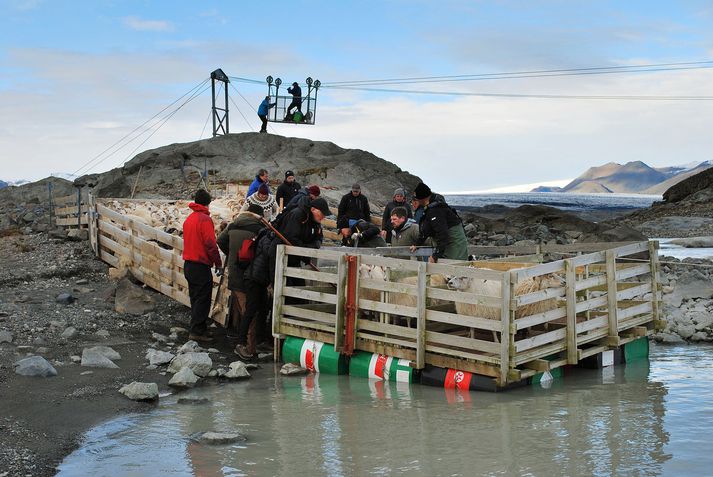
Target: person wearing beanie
441 224
231 241
262 177
200 253
287 190
264 199
399 200
353 206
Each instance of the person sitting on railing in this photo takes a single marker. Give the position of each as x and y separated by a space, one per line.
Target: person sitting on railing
264 199
365 234
262 111
296 93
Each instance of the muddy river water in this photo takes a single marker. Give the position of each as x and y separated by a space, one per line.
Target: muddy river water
646 418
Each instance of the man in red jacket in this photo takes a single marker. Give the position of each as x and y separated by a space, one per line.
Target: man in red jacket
200 253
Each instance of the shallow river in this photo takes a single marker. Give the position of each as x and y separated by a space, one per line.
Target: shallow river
647 418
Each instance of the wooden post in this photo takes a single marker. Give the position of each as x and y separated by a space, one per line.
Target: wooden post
341 304
571 297
611 295
505 328
421 316
277 298
352 304
654 262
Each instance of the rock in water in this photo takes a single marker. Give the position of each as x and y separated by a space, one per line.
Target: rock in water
132 298
237 370
35 366
218 438
185 378
140 391
65 299
6 337
193 400
68 333
200 363
157 358
106 352
94 359
291 369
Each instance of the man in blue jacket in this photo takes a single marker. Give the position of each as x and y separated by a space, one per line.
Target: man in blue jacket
262 111
261 178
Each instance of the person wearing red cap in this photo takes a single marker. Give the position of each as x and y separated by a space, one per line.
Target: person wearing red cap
264 199
200 253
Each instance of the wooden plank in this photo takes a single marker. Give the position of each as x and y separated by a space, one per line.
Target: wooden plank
312 253
571 330
592 324
582 247
630 249
633 272
463 320
588 259
341 304
395 264
386 349
591 282
421 317
311 275
393 330
364 335
463 365
387 308
310 325
543 269
612 306
461 271
279 285
502 249
636 321
308 314
506 317
291 330
470 344
625 313
634 291
540 352
495 360
538 296
539 318
592 303
654 265
320 297
394 287
540 365
465 297
71 221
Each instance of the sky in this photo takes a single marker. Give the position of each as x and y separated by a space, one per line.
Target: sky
76 77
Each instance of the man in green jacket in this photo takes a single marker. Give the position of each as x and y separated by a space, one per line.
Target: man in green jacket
246 225
404 231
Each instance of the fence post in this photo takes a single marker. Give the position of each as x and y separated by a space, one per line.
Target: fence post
612 310
341 304
277 298
571 297
505 328
79 208
421 316
654 263
351 304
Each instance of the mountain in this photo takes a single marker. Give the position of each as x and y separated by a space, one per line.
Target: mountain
634 177
3 184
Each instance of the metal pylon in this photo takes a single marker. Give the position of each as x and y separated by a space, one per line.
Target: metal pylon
220 115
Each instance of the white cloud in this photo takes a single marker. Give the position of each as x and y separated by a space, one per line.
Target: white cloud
139 24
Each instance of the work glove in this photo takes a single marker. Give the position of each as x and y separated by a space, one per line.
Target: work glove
356 236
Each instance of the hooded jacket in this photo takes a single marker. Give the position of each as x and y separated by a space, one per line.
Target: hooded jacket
370 237
264 107
386 217
351 207
406 235
436 223
245 226
199 237
286 191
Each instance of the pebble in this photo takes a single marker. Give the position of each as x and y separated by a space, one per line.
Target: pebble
6 337
85 373
82 281
140 391
102 334
68 333
291 369
75 359
185 378
65 299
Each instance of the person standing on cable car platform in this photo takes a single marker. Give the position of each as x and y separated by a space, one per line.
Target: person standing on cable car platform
296 93
262 111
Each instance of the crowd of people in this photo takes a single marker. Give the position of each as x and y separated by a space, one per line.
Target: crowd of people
293 216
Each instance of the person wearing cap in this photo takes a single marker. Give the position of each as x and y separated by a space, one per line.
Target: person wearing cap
265 200
246 226
262 111
262 177
296 93
200 253
399 200
442 224
353 206
305 195
287 190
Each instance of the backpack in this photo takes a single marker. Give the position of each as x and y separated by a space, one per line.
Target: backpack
246 252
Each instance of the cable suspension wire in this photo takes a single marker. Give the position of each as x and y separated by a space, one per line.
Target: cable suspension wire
534 73
86 164
160 122
241 114
523 95
210 112
248 103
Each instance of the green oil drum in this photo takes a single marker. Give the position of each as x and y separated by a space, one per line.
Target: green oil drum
313 355
379 366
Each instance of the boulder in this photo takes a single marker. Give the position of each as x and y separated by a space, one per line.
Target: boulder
237 370
106 351
694 242
291 369
94 359
668 338
6 337
158 358
691 284
140 391
185 378
200 363
132 299
218 438
35 366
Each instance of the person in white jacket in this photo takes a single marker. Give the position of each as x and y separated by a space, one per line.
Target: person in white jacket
264 199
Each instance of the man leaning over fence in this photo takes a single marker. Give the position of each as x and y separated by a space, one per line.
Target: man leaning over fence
200 253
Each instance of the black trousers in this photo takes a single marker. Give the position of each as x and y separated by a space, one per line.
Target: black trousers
296 103
200 287
256 308
263 118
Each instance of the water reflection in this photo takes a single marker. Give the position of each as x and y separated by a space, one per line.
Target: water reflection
616 421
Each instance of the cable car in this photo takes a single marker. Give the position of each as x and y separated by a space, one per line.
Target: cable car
292 109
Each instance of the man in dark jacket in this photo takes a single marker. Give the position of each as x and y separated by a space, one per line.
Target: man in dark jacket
287 190
200 253
296 93
261 178
442 225
353 206
365 234
399 201
244 228
303 197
